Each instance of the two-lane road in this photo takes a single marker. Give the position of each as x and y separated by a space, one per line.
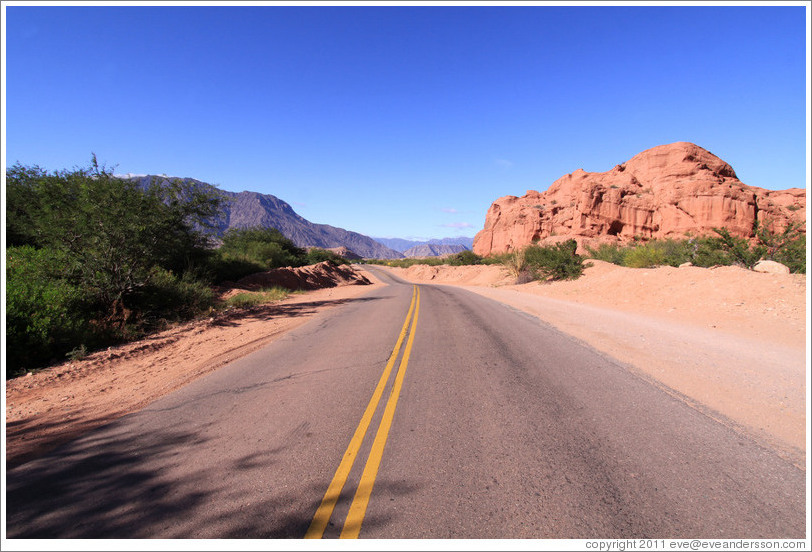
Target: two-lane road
414 412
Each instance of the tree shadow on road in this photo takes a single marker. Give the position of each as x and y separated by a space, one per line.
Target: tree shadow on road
116 484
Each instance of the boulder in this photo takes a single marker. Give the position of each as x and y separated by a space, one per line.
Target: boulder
771 267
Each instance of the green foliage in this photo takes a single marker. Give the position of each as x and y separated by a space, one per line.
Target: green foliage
94 258
610 253
46 316
248 250
739 248
707 252
554 262
317 255
787 247
253 298
793 255
464 258
112 231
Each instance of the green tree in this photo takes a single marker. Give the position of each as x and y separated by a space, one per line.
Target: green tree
111 231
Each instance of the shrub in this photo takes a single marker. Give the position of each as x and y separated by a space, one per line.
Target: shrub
643 257
46 316
168 298
464 258
317 255
556 262
245 251
739 249
610 253
253 298
516 264
793 255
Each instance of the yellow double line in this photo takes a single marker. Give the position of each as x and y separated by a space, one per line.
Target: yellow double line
352 525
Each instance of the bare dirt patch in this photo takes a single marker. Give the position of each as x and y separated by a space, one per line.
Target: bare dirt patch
729 341
52 406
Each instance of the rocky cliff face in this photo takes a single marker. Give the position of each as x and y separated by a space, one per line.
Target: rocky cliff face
668 191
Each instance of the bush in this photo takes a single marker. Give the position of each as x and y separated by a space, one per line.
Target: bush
168 298
93 259
739 249
610 253
464 258
643 257
516 264
251 299
46 316
787 247
793 255
317 255
246 251
556 262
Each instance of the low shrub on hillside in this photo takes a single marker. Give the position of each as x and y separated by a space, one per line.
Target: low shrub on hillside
317 255
787 247
246 251
253 298
554 262
46 315
463 258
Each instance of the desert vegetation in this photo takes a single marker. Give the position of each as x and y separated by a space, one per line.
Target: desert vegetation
787 247
93 260
533 262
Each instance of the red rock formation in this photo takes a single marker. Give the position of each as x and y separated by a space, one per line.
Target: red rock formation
668 191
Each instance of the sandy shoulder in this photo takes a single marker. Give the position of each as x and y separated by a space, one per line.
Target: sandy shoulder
728 341
47 408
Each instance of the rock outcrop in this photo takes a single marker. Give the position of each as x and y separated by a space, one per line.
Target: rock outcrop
669 191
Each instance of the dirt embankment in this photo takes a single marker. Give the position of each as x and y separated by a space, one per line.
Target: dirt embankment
52 406
730 341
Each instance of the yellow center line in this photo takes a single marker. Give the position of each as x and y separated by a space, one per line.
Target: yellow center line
358 508
328 503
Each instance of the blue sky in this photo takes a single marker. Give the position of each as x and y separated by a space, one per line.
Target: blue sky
403 121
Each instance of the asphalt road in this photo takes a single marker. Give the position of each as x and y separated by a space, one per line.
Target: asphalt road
490 424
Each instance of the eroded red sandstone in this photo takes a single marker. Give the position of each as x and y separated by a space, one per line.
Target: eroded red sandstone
668 191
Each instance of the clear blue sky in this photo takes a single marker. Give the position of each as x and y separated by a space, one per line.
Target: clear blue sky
403 121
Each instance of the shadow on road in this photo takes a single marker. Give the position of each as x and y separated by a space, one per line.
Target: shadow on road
114 485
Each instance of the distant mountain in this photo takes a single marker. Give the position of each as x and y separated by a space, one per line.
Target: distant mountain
433 250
399 244
248 209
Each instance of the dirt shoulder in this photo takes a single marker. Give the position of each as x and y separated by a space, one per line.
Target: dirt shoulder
729 341
53 406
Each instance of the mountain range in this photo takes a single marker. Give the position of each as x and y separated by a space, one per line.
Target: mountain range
434 250
402 245
250 209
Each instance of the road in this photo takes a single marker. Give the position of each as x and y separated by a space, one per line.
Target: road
488 424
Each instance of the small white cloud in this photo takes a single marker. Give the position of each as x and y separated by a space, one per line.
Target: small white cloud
504 163
457 225
449 210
